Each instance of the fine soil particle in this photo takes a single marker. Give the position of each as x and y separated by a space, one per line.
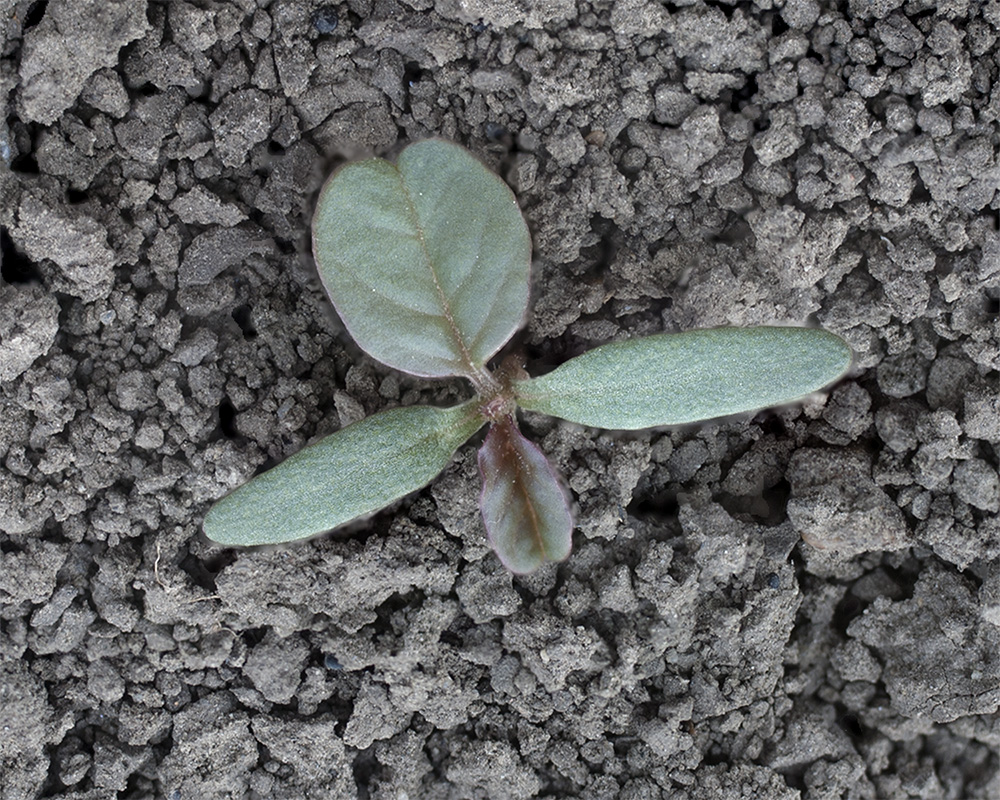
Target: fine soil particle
801 604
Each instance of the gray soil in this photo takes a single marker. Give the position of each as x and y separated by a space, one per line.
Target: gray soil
801 604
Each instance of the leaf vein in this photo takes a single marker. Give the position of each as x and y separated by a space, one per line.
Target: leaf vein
446 310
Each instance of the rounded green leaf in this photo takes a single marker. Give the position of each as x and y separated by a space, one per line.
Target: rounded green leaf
346 475
427 261
675 378
524 508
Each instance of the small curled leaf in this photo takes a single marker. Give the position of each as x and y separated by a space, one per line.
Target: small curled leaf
676 378
348 474
524 508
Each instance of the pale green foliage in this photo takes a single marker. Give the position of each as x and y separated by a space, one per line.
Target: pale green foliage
427 262
675 378
349 474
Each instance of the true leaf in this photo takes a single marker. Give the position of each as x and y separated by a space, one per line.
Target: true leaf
675 378
426 261
524 507
348 474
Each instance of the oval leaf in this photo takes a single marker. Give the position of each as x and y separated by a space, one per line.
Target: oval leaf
524 508
346 475
427 261
675 378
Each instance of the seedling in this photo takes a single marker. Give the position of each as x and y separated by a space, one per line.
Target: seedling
427 262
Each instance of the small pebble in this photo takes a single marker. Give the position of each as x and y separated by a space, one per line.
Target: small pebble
324 19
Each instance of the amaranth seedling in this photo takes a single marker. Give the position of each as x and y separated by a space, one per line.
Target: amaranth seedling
427 262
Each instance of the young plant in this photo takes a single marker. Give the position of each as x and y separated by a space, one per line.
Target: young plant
427 262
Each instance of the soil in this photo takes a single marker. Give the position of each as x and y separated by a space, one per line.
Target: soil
802 603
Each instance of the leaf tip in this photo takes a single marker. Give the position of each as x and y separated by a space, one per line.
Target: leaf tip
215 528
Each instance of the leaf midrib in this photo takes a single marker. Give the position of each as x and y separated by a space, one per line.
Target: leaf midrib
521 486
470 366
